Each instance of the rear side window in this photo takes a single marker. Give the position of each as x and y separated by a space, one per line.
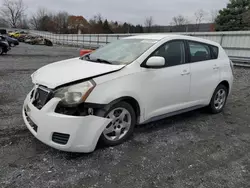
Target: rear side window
215 51
199 51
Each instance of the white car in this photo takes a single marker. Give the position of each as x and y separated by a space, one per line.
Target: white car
102 95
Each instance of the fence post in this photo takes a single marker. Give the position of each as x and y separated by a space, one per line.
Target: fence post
106 39
67 39
90 41
83 40
221 39
98 40
77 39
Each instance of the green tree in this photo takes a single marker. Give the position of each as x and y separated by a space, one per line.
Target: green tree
105 27
232 18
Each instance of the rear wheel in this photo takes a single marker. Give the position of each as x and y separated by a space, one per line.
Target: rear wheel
219 99
122 125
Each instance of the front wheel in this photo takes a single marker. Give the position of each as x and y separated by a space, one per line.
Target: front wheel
122 125
219 99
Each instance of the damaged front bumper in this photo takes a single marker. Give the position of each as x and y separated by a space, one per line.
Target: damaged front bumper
63 132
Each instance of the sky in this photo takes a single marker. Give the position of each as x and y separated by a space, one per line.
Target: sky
132 11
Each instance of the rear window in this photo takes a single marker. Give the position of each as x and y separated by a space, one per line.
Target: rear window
199 51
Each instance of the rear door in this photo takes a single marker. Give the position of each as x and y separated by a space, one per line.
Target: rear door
205 72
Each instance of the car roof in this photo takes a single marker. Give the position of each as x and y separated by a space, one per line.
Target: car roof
171 37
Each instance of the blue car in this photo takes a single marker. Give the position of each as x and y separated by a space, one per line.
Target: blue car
11 41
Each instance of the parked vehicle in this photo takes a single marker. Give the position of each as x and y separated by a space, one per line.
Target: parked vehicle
3 31
135 80
4 45
37 40
12 41
85 51
14 34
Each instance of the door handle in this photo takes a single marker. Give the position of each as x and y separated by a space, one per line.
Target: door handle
216 67
185 72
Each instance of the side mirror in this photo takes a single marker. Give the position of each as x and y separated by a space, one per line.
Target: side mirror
155 61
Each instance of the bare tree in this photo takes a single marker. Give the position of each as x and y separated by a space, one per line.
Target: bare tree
149 24
199 17
61 22
36 18
23 23
179 20
179 23
213 15
12 11
96 24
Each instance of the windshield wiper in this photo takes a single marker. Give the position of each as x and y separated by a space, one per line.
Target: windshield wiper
86 57
103 61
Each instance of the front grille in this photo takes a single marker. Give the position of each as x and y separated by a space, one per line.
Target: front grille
41 96
60 138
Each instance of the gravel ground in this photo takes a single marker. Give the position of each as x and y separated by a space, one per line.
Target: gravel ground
195 149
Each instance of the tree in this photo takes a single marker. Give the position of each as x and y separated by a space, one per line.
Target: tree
96 24
36 19
199 17
61 22
179 23
3 23
23 23
213 15
125 28
232 18
12 11
148 24
105 27
138 29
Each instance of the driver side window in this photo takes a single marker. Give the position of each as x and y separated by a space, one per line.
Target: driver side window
173 52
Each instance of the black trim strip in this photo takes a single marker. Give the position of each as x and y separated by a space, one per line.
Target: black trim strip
156 118
86 79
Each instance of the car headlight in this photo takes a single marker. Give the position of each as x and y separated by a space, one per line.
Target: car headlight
75 94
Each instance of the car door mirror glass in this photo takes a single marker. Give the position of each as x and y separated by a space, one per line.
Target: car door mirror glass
155 61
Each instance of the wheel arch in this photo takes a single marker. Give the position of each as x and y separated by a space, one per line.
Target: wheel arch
130 100
225 83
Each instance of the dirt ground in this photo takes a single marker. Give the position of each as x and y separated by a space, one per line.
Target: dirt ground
193 150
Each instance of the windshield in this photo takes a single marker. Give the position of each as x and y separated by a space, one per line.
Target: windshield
121 52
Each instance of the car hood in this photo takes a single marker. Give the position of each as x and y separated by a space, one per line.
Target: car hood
66 71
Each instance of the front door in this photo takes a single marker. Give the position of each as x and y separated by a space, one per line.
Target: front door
167 89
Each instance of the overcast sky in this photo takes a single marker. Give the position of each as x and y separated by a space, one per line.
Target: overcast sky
133 11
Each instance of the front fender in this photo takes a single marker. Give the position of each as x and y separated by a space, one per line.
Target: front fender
113 91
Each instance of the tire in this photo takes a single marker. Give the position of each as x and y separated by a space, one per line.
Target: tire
219 99
124 126
1 50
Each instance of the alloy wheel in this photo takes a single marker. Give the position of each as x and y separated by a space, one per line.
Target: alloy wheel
119 126
220 99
